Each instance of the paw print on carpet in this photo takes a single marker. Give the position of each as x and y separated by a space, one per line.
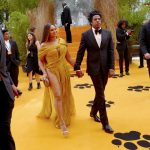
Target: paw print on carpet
132 140
83 86
138 88
108 103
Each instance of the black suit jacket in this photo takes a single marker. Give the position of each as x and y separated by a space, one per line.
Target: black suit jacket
66 16
98 58
122 38
145 38
13 59
3 69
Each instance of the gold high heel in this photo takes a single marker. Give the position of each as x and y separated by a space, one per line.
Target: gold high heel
63 127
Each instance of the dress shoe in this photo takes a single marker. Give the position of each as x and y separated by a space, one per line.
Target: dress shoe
127 73
19 92
141 66
96 118
108 129
121 75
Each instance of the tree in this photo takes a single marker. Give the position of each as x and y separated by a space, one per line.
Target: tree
17 25
4 8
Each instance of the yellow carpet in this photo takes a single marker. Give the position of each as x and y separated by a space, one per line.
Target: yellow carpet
130 112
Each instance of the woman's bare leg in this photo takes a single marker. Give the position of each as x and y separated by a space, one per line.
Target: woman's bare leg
58 100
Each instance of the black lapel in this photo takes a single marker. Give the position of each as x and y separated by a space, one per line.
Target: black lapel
92 38
11 44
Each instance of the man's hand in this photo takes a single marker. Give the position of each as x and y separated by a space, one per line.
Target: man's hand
79 73
15 90
66 24
111 73
147 56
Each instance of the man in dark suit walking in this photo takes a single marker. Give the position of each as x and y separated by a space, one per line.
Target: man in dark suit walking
12 57
66 21
100 64
145 43
122 36
7 92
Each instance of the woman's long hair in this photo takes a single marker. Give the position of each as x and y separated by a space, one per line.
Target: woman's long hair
34 39
46 34
122 22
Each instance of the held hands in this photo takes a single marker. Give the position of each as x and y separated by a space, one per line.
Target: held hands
111 73
79 73
147 56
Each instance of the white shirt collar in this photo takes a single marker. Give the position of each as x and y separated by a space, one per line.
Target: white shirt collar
65 6
95 29
98 37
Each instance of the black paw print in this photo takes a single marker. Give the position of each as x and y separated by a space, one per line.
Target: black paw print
138 88
108 103
130 137
83 86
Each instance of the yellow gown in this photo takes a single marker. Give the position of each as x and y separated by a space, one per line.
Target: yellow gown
54 55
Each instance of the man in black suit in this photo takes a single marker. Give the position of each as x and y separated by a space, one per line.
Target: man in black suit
7 91
122 36
100 64
66 21
145 43
12 55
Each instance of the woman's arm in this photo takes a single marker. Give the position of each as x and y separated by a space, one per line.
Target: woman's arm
41 58
38 45
41 65
69 59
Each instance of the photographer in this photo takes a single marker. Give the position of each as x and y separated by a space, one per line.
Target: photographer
122 36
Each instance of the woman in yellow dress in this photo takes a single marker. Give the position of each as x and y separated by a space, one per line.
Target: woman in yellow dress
53 57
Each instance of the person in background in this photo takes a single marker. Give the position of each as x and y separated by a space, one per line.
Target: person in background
32 46
145 43
141 53
122 36
66 21
7 92
141 59
12 57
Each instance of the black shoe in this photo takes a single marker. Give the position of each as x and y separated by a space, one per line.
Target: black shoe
127 73
30 87
38 85
108 129
121 75
96 118
69 41
19 92
141 66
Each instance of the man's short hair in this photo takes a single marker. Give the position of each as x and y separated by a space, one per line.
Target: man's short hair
4 31
93 13
64 4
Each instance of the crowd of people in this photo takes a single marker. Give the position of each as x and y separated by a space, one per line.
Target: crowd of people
49 58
